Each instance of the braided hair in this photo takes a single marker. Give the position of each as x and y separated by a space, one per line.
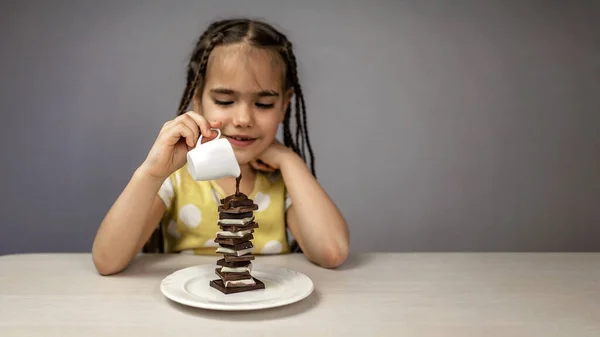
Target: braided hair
262 35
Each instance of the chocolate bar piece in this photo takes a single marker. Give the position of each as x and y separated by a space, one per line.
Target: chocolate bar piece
235 264
227 204
236 200
234 258
235 215
243 245
239 209
233 241
233 276
220 286
237 228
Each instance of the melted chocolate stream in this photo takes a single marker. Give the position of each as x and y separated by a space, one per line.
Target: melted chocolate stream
237 184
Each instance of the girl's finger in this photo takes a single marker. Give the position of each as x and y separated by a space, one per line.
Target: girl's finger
165 127
262 167
191 124
255 165
202 124
173 126
178 131
216 124
266 165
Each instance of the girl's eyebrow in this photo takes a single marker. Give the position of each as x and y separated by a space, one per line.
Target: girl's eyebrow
222 91
268 93
225 91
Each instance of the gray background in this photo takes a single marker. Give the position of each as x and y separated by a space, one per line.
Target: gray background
437 125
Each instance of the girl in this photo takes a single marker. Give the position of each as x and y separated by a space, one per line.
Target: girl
240 79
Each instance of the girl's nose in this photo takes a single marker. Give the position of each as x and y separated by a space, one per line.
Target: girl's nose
244 116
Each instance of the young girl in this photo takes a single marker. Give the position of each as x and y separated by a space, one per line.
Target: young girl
241 79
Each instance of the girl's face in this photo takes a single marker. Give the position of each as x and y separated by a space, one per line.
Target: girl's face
243 90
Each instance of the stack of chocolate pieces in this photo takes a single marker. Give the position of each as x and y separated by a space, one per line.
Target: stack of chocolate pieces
236 221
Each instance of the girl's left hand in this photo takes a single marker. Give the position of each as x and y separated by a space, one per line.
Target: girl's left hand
270 160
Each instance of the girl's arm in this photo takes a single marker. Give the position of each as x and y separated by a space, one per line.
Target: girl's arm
313 218
128 224
136 213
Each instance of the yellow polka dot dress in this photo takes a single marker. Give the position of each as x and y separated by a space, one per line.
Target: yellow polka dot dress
189 224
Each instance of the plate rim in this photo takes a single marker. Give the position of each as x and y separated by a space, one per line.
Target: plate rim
235 307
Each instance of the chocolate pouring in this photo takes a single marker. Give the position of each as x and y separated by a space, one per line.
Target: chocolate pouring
236 222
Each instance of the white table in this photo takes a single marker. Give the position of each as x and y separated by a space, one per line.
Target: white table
372 295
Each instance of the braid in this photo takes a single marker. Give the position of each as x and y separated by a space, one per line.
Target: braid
299 127
304 122
300 105
287 135
189 88
197 69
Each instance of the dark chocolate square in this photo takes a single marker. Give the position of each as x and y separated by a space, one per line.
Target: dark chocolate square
220 286
239 209
236 216
233 264
233 241
233 276
230 202
237 228
243 245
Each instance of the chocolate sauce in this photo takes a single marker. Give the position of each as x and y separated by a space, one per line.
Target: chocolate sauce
237 184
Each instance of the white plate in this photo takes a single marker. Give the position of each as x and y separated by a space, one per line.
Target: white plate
190 286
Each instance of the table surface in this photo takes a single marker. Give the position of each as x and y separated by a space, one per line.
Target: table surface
377 294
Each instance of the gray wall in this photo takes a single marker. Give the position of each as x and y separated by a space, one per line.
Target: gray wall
437 125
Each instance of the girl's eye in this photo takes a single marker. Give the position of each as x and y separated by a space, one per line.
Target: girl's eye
224 103
264 106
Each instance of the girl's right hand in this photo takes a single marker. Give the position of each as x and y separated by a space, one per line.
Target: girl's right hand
175 139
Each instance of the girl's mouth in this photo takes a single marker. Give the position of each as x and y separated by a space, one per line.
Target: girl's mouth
240 140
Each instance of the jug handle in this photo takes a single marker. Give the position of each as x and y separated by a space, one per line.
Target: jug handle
200 138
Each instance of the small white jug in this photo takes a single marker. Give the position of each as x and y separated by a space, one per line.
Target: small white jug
212 160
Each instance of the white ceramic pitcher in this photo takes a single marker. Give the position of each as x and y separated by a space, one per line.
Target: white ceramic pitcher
212 160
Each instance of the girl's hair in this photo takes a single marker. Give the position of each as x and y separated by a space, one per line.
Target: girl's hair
261 35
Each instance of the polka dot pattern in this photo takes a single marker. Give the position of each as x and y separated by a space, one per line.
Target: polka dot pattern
190 215
272 247
262 200
166 192
211 243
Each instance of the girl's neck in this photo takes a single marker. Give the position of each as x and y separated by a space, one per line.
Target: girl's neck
246 183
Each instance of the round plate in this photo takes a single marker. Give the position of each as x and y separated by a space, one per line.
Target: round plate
190 286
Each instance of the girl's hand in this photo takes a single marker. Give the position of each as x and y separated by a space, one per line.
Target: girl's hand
175 139
270 160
